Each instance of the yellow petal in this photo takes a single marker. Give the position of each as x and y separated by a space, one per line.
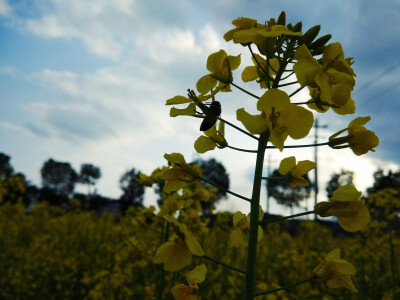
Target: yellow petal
205 84
287 165
215 61
198 274
360 121
178 100
234 61
249 74
188 111
255 124
204 144
346 193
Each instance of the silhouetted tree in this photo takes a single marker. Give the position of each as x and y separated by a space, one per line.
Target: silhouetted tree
284 194
132 191
391 180
337 180
213 171
6 170
58 181
89 174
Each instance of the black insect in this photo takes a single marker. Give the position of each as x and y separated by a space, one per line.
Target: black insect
214 111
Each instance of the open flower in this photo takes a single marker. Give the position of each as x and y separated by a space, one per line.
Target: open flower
279 116
251 73
359 139
180 174
294 172
221 66
241 225
335 271
187 292
212 138
346 205
178 252
184 292
330 79
258 33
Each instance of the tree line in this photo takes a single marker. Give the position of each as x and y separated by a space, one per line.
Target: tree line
59 180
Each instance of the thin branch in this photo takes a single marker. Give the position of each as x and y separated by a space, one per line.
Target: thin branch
296 91
286 217
238 128
245 91
224 264
225 190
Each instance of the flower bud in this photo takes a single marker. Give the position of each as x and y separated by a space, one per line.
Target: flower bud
310 35
282 19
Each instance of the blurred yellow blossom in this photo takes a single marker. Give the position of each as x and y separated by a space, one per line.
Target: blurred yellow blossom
347 206
359 139
335 271
294 172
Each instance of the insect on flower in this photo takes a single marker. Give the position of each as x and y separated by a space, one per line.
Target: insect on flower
214 111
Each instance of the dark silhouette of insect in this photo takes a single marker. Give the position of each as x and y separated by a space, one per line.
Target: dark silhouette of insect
214 111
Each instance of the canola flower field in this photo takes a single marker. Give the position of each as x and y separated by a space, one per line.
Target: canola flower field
175 251
53 254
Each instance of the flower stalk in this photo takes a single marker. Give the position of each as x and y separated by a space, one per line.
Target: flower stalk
253 232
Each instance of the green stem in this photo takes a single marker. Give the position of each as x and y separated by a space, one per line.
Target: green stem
245 91
242 150
224 189
286 84
238 128
273 178
296 91
160 285
224 264
284 287
286 217
253 231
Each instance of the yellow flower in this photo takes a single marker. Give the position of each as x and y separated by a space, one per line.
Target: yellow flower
197 275
221 66
184 292
178 252
334 57
241 224
294 172
213 138
346 205
335 271
359 139
251 73
258 34
145 180
330 80
241 24
279 116
180 174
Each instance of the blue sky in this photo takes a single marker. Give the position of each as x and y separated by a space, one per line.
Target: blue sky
86 82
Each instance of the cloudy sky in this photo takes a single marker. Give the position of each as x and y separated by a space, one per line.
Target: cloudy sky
85 81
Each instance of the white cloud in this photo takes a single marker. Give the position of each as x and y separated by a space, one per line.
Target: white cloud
5 9
8 70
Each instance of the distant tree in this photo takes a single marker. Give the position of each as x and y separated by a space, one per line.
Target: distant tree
58 181
337 180
381 181
6 170
281 191
89 174
132 191
213 171
13 189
